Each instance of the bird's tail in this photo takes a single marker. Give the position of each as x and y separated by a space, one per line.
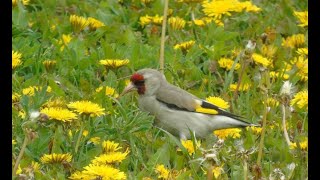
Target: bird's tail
223 122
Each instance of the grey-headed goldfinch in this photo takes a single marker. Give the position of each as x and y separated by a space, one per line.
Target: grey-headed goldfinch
175 108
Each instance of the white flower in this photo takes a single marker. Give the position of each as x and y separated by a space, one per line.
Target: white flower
251 46
291 166
287 89
34 115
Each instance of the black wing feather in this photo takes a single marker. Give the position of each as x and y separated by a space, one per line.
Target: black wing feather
220 111
204 105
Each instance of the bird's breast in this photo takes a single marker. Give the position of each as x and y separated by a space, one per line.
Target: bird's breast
149 104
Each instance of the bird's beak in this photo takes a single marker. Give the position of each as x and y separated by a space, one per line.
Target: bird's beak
129 88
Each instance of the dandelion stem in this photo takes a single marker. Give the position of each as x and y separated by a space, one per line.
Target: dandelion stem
163 34
210 173
235 94
286 136
264 122
23 148
78 140
245 169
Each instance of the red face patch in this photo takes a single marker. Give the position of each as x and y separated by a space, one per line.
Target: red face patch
138 81
136 77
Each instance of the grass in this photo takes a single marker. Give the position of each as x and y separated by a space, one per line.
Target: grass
37 30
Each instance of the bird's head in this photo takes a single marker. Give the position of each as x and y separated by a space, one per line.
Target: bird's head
145 82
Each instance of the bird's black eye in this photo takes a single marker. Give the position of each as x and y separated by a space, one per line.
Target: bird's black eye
139 83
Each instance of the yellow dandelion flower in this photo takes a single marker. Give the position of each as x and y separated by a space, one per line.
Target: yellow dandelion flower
302 51
56 158
14 142
302 17
112 157
146 2
302 64
157 20
114 63
87 107
216 101
162 171
230 132
59 114
300 99
22 114
304 144
70 133
15 97
31 90
227 63
65 40
99 89
57 103
274 75
99 172
198 22
110 146
271 102
294 41
109 91
85 133
242 87
33 167
49 64
293 145
185 46
16 59
268 50
78 22
80 176
94 23
127 81
217 171
218 8
95 140
188 144
176 23
261 60
19 170
145 20
190 1
255 130
286 66
53 27
24 2
208 20
303 76
249 7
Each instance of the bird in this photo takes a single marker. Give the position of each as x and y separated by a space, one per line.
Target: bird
175 109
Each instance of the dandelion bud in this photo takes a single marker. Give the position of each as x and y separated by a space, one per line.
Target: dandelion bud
49 65
43 117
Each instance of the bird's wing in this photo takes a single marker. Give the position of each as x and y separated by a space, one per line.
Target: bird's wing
176 97
179 99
